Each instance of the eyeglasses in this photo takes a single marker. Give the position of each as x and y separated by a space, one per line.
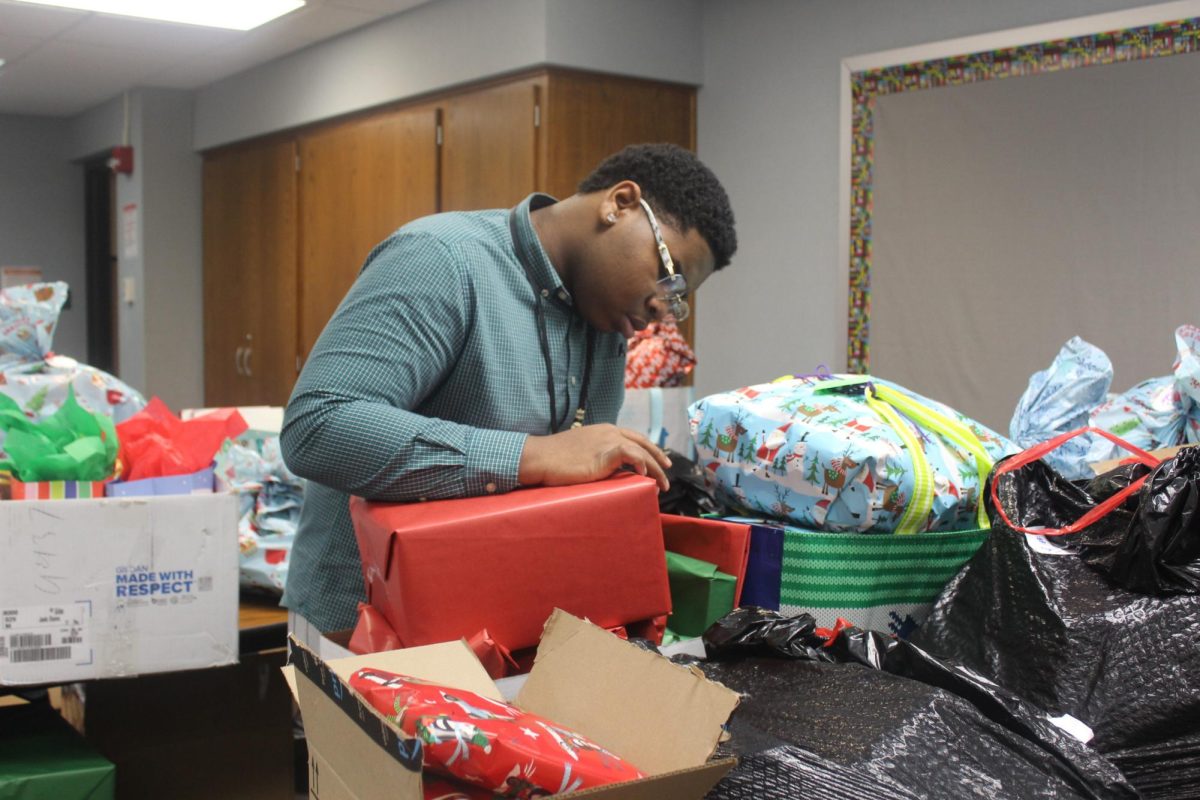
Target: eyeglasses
673 287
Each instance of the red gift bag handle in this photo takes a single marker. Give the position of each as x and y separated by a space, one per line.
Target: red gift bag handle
1040 450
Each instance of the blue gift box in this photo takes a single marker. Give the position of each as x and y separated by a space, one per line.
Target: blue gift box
193 483
764 568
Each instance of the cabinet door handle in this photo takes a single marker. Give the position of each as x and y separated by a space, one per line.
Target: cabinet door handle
237 361
249 351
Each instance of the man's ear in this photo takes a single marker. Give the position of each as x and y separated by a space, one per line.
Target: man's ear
621 197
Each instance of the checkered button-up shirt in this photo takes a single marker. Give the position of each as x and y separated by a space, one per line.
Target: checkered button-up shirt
426 383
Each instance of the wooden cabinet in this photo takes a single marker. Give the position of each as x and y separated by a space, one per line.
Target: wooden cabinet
359 181
588 117
250 274
489 146
289 220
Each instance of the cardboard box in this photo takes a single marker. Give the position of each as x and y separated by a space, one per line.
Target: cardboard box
447 569
107 588
663 718
193 483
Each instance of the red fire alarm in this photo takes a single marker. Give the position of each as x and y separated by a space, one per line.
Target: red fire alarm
121 160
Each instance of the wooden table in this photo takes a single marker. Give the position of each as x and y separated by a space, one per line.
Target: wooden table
262 624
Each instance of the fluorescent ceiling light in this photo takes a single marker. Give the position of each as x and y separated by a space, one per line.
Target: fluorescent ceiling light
241 15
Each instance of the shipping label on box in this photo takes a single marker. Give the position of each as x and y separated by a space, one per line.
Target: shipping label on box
108 588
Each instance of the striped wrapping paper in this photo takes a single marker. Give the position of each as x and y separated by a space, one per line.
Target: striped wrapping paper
57 490
883 582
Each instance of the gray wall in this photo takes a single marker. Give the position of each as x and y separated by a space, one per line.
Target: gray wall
1056 210
161 333
768 126
172 266
445 43
41 216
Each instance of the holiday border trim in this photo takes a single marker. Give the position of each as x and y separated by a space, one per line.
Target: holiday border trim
1093 50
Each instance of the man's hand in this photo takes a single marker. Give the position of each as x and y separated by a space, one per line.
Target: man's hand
588 454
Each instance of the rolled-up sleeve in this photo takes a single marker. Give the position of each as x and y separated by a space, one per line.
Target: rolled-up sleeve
350 423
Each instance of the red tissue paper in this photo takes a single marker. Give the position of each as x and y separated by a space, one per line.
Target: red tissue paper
154 442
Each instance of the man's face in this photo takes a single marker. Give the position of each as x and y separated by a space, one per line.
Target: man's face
619 289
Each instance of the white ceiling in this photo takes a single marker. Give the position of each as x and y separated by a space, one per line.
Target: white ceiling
61 62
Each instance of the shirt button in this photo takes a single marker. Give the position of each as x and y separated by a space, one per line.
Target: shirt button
491 488
545 292
572 380
562 296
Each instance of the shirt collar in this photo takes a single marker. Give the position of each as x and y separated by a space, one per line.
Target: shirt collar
530 250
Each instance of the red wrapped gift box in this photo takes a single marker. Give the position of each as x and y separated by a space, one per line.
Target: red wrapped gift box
447 569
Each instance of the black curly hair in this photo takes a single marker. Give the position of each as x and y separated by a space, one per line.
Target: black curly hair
678 187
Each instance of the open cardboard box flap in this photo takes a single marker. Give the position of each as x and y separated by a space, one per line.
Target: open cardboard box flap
663 718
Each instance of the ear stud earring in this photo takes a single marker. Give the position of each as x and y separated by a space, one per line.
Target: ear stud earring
611 219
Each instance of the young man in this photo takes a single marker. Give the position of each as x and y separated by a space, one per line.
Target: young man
473 343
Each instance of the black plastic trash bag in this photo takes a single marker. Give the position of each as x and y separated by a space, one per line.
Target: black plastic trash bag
1139 525
1158 550
689 495
760 631
787 772
872 716
1029 613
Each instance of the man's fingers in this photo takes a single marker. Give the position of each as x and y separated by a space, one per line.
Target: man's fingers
643 463
648 446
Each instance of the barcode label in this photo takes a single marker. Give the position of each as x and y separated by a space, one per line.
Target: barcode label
32 635
40 654
20 640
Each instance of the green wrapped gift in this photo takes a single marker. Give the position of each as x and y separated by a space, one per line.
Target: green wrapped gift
72 444
700 594
43 758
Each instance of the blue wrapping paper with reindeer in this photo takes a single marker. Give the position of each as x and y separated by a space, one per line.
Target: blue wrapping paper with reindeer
845 453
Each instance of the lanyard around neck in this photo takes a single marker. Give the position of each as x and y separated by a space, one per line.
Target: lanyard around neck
544 341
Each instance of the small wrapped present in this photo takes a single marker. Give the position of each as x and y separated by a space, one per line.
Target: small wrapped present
489 743
700 594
